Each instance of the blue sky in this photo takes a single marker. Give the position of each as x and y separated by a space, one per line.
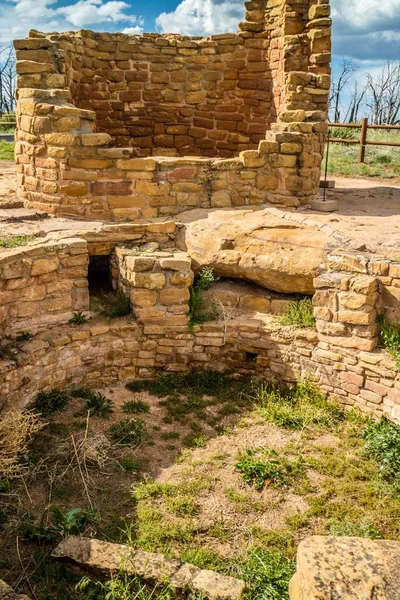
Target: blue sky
367 30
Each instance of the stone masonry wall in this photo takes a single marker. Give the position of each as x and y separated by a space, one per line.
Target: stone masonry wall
42 284
280 90
341 353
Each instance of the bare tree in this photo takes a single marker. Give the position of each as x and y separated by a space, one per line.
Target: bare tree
7 79
348 68
357 99
384 95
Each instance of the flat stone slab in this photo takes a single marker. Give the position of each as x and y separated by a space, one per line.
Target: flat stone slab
324 205
346 568
7 593
156 567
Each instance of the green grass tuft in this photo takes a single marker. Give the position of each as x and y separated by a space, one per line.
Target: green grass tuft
260 467
135 406
382 440
7 150
48 403
267 575
197 310
78 318
129 431
299 314
15 241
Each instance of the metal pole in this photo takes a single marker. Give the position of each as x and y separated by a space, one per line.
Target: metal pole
326 163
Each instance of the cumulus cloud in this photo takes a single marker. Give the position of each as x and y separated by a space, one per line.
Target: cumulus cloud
18 16
366 29
202 17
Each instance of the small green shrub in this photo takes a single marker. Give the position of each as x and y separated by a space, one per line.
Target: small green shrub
267 575
343 133
299 314
78 318
382 440
383 159
129 431
61 524
197 312
136 406
194 440
48 403
97 404
261 467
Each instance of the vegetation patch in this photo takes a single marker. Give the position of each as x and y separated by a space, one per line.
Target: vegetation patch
261 467
50 402
198 313
383 443
390 338
7 150
299 314
15 241
16 430
128 432
78 318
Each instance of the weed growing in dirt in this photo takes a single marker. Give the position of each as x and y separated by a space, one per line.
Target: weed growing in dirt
299 314
364 529
183 506
60 524
136 406
48 403
116 305
261 467
197 311
267 575
302 405
78 318
129 432
383 443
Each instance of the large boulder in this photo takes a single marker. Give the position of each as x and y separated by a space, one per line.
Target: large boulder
275 253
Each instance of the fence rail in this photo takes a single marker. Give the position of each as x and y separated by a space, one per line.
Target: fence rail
363 142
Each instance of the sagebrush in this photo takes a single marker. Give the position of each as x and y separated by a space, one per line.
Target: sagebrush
16 430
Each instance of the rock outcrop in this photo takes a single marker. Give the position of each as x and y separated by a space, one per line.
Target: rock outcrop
345 568
277 254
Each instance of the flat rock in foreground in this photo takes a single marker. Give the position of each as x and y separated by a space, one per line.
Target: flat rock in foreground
346 568
155 567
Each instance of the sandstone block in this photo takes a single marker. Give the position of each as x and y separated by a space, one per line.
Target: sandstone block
150 281
95 139
41 266
143 298
174 296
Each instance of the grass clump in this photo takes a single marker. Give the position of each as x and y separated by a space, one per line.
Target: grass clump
299 314
16 430
260 468
123 587
390 338
78 318
97 405
300 406
128 432
48 403
136 406
383 444
183 506
60 524
345 528
15 241
267 574
197 310
116 305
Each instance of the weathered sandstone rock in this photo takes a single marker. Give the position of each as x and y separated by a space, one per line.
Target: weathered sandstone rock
280 255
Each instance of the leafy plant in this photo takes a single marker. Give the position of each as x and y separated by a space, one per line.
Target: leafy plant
267 575
129 431
299 314
78 318
383 443
97 404
48 403
261 467
136 406
197 312
61 524
124 587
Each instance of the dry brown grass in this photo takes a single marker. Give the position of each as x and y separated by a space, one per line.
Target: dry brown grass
16 429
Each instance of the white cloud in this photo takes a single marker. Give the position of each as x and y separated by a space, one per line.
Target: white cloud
202 17
18 16
138 29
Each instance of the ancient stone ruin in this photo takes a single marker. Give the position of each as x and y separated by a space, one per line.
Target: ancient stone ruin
146 158
230 120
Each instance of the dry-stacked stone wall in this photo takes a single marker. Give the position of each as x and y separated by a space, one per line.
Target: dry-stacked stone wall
341 353
245 112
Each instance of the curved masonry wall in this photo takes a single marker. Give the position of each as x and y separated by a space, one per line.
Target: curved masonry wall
341 353
261 94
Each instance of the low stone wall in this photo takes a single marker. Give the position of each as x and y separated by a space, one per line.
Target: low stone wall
43 284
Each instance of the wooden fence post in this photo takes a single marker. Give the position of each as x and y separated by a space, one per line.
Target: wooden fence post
363 140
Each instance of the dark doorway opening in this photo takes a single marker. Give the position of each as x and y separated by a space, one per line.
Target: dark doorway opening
99 274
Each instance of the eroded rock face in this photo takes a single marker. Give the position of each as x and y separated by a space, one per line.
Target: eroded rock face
275 253
345 568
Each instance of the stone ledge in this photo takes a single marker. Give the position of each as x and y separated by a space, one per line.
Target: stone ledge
155 567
